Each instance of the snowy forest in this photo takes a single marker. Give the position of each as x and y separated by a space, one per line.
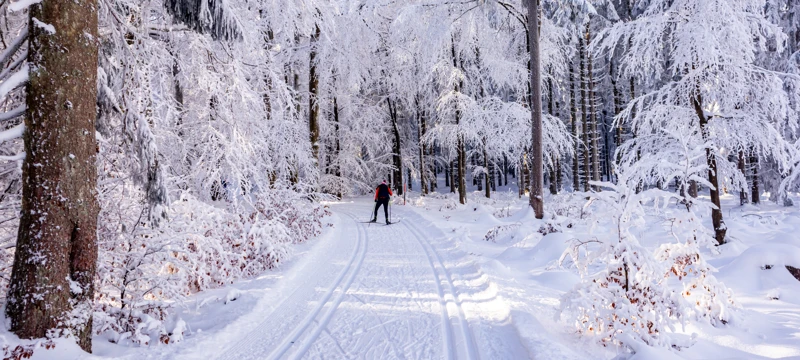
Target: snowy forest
573 179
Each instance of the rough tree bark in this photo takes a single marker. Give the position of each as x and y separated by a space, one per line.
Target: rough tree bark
537 165
54 265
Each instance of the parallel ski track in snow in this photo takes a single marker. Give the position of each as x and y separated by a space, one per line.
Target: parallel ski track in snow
363 242
466 332
353 266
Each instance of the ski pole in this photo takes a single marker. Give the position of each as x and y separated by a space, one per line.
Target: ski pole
370 212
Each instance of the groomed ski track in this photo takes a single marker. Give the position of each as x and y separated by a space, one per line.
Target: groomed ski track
371 291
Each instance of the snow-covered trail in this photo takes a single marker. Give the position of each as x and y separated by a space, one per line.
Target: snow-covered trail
374 291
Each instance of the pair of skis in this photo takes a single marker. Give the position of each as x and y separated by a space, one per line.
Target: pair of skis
387 224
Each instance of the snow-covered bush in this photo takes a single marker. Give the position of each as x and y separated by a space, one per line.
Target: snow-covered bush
711 300
623 297
628 293
144 270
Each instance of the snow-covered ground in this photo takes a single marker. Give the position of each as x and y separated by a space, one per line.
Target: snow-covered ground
480 281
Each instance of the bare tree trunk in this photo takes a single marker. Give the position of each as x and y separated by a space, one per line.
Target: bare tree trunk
593 143
421 130
742 167
524 176
496 176
552 174
397 177
434 175
756 192
716 214
573 108
338 149
313 89
486 165
453 176
640 185
537 164
505 170
462 161
584 118
447 181
57 239
462 176
476 180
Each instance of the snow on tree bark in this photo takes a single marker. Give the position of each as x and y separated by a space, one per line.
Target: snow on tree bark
54 266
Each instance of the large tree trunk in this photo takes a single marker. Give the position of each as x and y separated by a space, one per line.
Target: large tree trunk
56 257
716 214
537 165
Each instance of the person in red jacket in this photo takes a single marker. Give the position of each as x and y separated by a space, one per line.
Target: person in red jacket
382 195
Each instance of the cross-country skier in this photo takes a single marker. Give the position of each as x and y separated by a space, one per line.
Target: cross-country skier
382 195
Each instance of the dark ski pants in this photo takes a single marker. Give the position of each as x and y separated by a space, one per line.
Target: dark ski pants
385 203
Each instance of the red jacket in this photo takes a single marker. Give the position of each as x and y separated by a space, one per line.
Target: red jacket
381 191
